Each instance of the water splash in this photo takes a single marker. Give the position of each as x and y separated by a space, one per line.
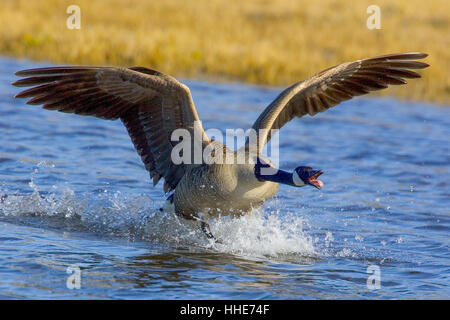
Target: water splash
63 203
268 233
136 217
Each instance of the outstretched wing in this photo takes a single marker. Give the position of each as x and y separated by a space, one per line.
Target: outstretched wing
330 87
150 104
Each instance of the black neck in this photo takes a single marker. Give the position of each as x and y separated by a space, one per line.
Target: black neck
279 176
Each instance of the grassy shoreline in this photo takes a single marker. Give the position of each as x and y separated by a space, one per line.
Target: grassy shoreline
274 42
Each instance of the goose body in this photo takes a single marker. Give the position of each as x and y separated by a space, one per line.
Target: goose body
152 106
221 189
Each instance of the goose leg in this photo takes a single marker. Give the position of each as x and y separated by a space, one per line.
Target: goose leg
169 206
205 228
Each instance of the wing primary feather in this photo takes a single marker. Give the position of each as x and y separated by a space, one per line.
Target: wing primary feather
333 85
138 96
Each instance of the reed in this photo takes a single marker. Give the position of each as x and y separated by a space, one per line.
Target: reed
274 42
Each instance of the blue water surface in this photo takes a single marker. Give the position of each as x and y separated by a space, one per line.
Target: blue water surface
79 197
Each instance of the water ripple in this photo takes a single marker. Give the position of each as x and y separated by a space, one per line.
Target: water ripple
74 192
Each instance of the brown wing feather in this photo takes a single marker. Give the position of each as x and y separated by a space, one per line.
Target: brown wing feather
330 87
150 104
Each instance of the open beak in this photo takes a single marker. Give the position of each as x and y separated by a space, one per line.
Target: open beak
312 180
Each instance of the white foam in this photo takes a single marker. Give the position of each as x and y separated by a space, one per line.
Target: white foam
264 233
269 232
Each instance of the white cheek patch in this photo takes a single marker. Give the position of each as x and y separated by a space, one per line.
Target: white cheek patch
297 180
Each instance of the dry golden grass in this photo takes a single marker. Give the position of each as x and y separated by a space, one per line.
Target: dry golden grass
273 42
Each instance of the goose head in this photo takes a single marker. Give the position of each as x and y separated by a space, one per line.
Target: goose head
300 177
303 176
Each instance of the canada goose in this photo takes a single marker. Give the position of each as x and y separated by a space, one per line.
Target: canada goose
152 105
